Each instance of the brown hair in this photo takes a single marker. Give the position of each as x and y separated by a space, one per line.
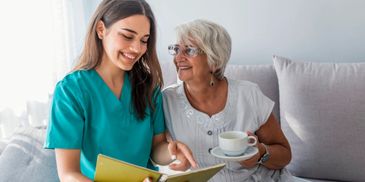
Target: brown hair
145 76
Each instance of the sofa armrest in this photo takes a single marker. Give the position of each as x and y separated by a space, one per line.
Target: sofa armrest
24 159
2 146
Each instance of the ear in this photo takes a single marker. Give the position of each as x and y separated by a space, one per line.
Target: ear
100 29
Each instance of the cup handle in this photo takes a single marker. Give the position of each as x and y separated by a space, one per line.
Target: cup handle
253 138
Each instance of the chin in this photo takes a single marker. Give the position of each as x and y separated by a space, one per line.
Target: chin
184 79
127 66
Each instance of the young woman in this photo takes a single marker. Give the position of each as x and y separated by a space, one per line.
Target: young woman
111 102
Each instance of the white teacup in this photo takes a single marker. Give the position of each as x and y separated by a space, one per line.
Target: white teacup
235 143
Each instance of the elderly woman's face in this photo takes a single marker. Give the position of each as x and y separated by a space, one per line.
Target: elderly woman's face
191 63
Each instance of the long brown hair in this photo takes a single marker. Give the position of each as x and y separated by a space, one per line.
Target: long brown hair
145 76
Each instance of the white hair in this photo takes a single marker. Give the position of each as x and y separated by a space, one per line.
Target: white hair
210 37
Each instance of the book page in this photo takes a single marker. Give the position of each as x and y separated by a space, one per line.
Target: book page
198 175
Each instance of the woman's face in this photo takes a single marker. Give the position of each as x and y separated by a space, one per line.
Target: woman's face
191 67
125 41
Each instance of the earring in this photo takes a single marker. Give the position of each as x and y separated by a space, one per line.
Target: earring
211 83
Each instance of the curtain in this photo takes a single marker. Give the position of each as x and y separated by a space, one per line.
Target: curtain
41 39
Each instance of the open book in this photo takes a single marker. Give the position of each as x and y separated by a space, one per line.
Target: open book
110 169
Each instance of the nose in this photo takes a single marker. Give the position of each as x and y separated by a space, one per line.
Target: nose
179 55
136 46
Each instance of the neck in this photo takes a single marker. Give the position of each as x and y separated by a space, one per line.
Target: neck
110 73
201 92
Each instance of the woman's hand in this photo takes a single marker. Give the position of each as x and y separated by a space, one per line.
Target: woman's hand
252 162
181 152
148 179
276 143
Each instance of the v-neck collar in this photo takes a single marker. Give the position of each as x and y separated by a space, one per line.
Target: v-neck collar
216 115
108 90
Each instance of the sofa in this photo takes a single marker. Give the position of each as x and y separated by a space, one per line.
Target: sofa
320 107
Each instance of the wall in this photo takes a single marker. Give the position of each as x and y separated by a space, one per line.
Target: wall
310 30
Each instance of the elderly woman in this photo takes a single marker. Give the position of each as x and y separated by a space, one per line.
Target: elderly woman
206 104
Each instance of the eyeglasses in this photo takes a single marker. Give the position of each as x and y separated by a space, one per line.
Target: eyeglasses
189 51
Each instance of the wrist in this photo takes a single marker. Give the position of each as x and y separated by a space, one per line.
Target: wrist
262 149
264 154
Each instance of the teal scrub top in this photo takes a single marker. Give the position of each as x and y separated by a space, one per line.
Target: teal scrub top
86 115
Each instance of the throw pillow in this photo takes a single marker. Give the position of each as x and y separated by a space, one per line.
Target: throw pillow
322 111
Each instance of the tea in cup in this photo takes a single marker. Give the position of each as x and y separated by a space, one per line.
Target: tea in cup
235 143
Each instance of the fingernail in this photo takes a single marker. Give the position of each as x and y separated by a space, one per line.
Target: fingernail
173 157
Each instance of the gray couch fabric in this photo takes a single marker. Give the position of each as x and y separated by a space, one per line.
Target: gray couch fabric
322 110
2 146
24 159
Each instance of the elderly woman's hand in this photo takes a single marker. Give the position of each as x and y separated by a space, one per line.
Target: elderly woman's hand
251 162
183 154
148 179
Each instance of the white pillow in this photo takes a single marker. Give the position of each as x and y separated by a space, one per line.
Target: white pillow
322 111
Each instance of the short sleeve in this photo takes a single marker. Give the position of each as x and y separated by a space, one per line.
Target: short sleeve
158 115
167 113
66 122
262 105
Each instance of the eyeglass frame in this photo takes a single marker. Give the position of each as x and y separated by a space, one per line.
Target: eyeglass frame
184 51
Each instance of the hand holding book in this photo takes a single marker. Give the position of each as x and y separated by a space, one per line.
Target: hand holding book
182 153
110 169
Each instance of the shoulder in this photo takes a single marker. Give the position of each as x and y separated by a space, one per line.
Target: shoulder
242 85
72 82
173 90
75 77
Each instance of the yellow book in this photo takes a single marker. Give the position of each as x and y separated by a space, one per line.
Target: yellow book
109 170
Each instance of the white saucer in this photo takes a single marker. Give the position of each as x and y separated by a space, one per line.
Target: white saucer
251 151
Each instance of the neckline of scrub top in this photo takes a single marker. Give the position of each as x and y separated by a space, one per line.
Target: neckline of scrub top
123 93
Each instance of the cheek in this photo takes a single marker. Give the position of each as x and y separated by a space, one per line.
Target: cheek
109 46
200 69
175 62
144 48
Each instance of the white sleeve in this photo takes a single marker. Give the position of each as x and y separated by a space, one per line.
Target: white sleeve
167 114
262 105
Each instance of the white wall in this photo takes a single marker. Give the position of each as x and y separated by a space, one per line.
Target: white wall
310 30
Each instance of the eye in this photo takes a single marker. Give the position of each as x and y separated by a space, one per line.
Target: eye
174 49
190 51
144 41
126 36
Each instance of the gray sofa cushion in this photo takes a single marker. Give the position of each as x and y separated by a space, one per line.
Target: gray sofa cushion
322 110
2 146
263 75
24 158
169 73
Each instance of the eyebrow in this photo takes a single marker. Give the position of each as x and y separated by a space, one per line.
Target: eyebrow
134 32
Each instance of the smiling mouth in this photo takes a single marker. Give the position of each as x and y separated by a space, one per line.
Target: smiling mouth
129 56
184 68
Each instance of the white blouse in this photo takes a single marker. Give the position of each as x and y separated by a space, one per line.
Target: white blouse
246 109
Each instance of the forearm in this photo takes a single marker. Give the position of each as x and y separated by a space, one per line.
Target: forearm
68 166
73 177
280 156
160 154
